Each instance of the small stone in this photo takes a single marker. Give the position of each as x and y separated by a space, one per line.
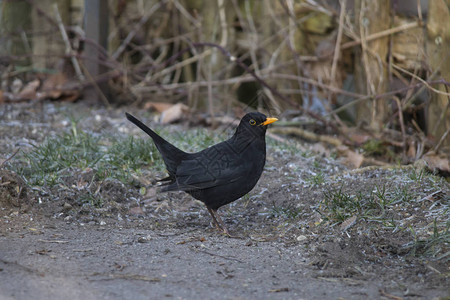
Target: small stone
301 238
137 211
144 239
67 206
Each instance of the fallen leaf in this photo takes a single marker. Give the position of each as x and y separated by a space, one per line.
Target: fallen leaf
157 106
54 82
348 223
29 91
359 138
351 158
320 149
174 113
437 162
411 153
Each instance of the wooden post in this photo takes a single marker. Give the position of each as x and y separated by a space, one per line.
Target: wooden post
15 21
438 49
96 28
370 73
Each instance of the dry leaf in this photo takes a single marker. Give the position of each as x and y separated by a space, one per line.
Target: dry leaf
348 223
320 149
351 158
157 106
411 153
437 162
56 87
174 113
54 82
29 91
359 138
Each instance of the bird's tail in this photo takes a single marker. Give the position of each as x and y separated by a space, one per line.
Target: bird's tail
172 156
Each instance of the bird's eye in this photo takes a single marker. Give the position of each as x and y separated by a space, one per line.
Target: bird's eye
252 122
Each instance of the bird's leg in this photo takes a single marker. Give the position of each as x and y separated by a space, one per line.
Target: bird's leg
218 221
211 211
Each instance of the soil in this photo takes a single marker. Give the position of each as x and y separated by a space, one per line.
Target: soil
162 246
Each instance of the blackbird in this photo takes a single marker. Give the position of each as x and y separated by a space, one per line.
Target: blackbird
220 174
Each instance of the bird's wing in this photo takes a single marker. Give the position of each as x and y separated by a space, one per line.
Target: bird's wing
211 167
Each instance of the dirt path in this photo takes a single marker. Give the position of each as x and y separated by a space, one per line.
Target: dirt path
54 244
54 260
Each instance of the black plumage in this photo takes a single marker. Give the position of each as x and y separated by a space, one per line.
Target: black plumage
219 174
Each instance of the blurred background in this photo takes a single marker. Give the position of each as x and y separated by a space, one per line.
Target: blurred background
360 70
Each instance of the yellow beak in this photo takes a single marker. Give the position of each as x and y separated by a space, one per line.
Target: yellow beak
269 121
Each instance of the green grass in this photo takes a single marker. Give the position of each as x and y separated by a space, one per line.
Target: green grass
317 179
418 174
384 208
337 205
69 151
109 157
436 245
287 212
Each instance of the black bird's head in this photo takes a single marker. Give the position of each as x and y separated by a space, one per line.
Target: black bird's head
254 123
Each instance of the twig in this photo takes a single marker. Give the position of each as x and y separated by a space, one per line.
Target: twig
385 95
443 114
186 14
315 83
69 50
136 28
96 87
9 158
307 135
400 117
389 296
441 117
382 166
210 96
338 42
181 64
381 34
223 23
411 99
422 80
110 276
53 241
441 141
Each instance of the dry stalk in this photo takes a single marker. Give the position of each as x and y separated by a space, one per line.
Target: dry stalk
307 135
338 42
385 95
442 116
136 28
95 85
380 34
441 140
423 81
253 46
223 23
186 14
401 121
69 50
9 158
